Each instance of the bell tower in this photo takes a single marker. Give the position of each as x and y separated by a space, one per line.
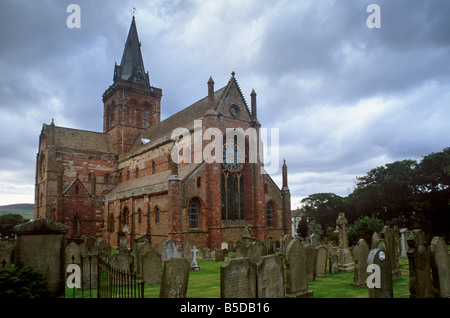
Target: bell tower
131 104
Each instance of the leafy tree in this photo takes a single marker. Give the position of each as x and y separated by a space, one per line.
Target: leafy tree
323 208
302 229
363 228
8 221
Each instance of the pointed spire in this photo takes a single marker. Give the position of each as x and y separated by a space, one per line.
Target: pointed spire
284 175
131 67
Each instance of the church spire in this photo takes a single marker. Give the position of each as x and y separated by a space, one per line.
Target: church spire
131 67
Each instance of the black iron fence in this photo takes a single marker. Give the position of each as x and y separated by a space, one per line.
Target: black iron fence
98 279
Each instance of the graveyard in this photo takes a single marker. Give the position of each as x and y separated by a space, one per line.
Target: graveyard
405 263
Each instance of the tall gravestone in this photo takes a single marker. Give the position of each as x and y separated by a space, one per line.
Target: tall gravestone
270 277
40 244
385 289
420 282
151 268
296 282
175 278
361 254
404 234
321 261
187 251
388 236
345 263
170 250
72 253
310 262
141 248
440 264
238 279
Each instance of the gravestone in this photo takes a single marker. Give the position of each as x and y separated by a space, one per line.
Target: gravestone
270 277
387 235
72 250
345 263
219 255
159 249
194 264
296 282
333 261
375 240
207 254
84 251
90 241
89 269
231 246
255 251
269 247
404 234
123 242
170 250
238 279
187 251
151 267
385 289
321 261
420 283
224 246
310 262
175 278
141 249
361 254
284 242
314 240
122 262
6 253
440 264
40 244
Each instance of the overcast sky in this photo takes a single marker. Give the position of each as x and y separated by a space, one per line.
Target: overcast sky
345 97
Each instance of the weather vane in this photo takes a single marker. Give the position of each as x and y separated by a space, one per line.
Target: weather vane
133 12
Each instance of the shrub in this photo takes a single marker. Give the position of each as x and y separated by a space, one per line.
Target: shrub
23 282
363 228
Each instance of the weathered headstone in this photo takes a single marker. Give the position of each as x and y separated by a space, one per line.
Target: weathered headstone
207 254
270 277
382 275
314 239
255 251
321 261
284 242
296 283
224 246
404 234
333 261
238 279
151 267
140 250
90 270
420 282
187 251
310 262
345 263
440 264
375 240
175 278
387 234
40 245
219 255
269 247
170 250
361 254
122 262
72 254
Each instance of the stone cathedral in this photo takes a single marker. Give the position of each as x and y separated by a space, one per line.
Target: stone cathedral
124 183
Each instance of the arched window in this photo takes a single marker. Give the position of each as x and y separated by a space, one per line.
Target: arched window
125 216
232 196
269 214
266 188
194 210
153 167
139 216
111 223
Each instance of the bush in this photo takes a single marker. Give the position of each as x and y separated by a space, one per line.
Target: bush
363 228
23 282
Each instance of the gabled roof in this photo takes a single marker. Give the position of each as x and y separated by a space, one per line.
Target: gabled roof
131 67
162 131
82 140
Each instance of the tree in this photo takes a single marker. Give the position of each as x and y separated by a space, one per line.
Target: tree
363 228
8 221
23 282
323 208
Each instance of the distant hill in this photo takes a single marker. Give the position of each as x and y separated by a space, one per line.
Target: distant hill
24 209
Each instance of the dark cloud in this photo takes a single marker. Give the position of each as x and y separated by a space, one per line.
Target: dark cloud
346 98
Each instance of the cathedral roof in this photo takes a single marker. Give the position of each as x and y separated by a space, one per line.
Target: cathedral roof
131 67
82 140
151 183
